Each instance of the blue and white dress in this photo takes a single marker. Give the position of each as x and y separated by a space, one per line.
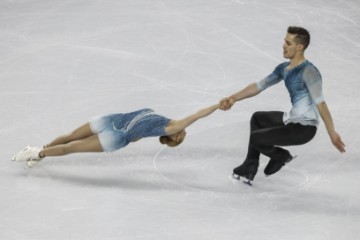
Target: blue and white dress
115 131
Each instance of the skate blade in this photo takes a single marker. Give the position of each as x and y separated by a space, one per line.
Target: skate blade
295 156
238 178
247 182
235 176
286 162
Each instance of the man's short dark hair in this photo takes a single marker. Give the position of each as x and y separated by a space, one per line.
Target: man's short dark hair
302 35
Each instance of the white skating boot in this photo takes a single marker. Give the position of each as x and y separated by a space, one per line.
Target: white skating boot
27 154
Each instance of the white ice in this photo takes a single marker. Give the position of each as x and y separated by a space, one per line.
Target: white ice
63 62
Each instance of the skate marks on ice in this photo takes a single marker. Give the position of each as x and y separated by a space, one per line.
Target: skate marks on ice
207 165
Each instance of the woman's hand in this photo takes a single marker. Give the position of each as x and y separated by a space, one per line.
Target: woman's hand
226 103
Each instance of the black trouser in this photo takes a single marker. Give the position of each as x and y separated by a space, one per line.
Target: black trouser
268 132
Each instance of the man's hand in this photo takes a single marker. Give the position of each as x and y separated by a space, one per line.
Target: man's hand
336 140
226 103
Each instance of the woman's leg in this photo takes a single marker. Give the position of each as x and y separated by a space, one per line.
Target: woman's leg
89 144
82 132
80 140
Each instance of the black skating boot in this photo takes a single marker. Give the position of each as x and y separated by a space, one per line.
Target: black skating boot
275 165
246 170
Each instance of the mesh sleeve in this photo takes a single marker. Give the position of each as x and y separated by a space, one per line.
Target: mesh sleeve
270 80
313 81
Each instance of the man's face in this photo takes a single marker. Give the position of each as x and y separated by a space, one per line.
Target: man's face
290 47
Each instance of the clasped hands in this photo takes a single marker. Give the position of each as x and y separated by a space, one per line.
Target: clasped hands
226 103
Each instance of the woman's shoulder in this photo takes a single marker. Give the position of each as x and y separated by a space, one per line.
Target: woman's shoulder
171 126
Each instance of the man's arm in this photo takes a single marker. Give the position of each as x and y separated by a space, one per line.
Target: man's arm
247 92
326 117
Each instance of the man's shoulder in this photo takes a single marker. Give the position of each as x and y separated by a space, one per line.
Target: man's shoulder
311 66
310 71
281 66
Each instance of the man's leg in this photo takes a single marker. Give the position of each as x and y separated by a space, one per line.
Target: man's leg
259 120
262 120
267 141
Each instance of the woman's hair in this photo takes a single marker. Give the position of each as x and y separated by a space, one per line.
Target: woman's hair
302 35
168 141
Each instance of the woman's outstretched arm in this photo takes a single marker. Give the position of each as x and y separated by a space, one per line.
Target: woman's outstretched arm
179 125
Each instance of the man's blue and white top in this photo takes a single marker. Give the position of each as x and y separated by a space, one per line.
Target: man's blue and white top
304 84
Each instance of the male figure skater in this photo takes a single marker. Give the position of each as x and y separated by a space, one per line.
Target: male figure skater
270 130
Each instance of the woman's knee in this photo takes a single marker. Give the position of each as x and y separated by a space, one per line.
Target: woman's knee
80 133
67 137
90 144
65 149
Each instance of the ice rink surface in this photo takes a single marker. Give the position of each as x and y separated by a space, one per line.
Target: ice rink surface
63 62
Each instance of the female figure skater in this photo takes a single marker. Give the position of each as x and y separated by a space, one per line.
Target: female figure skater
114 131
